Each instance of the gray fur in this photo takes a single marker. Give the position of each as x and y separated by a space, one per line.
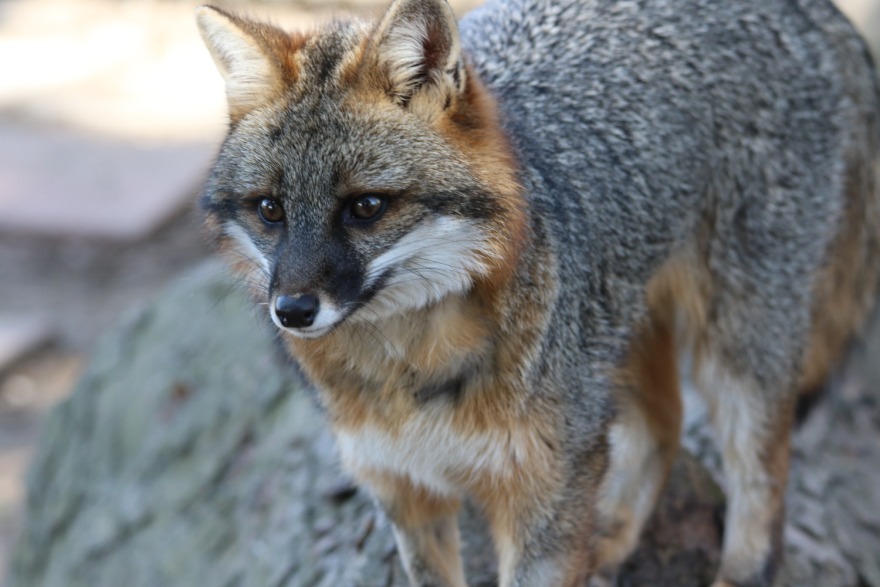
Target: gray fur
637 121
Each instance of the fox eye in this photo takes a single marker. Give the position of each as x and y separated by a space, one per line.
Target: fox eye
367 207
271 211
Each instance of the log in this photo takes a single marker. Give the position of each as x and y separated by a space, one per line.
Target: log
193 454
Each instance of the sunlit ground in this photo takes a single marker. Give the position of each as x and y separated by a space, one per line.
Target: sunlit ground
109 114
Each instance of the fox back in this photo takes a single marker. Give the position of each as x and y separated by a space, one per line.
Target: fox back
490 243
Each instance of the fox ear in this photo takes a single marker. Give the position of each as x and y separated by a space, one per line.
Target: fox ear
418 49
242 58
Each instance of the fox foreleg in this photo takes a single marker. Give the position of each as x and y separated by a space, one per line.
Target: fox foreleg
426 530
543 538
430 553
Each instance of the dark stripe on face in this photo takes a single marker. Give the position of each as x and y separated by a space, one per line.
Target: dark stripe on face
378 285
219 204
475 204
312 261
343 271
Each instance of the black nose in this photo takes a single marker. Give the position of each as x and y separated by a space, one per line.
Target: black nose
296 312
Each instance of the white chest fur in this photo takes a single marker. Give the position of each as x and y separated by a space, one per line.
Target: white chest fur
429 450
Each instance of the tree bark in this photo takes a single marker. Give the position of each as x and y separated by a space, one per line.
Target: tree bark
192 455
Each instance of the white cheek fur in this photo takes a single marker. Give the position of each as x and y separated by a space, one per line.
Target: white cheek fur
436 259
248 249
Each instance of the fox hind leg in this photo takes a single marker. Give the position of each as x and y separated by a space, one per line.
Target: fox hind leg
753 426
644 441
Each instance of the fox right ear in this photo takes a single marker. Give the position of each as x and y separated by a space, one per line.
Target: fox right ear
243 59
418 49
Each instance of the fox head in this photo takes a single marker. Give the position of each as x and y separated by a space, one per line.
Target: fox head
364 171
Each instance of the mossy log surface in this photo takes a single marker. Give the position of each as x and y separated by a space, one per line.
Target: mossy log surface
192 455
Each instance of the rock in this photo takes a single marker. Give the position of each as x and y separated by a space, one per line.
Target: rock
192 454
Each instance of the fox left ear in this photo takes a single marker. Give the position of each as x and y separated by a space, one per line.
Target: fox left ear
243 54
418 49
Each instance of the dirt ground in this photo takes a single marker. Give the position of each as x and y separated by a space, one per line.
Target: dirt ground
82 285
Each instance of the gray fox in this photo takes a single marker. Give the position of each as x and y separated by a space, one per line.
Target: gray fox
489 243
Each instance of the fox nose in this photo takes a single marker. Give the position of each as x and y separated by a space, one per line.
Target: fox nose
296 312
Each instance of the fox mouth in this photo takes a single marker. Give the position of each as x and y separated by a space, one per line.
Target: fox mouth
310 332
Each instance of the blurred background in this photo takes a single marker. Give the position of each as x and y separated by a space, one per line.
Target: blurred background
110 113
